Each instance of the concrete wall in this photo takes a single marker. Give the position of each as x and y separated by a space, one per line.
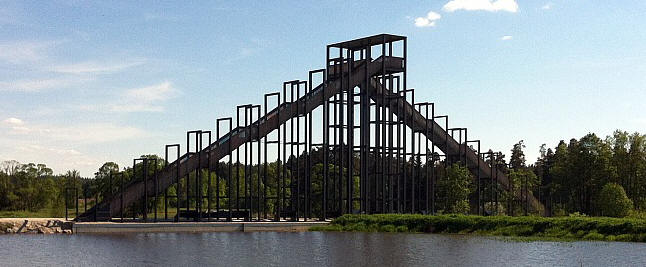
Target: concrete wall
190 227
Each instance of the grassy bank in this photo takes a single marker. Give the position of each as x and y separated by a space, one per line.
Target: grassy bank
561 228
44 213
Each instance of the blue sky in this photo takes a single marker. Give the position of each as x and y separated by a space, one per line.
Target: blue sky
84 82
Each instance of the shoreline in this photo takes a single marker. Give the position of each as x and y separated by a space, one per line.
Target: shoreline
35 226
514 228
61 226
192 227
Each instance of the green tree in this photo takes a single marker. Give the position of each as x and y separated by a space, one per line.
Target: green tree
517 159
613 201
102 178
456 186
521 182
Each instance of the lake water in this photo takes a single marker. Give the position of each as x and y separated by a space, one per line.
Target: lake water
308 249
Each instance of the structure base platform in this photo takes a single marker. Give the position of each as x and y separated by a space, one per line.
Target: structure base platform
192 227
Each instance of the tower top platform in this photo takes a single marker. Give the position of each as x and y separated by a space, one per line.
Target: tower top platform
370 40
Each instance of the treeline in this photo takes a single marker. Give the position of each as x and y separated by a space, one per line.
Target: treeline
454 185
32 187
585 174
589 175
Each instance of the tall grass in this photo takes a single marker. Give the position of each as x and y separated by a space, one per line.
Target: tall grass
43 213
583 228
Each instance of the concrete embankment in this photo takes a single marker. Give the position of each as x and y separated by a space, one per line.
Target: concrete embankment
59 225
35 226
170 227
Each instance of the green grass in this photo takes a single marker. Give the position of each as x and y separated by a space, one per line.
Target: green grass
44 213
524 228
71 213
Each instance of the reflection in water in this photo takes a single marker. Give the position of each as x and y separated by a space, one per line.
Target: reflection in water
308 248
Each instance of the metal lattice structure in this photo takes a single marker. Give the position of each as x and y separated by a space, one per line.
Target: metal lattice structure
371 125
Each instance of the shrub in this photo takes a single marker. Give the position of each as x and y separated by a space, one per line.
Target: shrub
456 187
593 236
613 202
461 207
571 227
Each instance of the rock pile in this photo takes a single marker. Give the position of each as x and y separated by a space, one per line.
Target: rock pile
35 226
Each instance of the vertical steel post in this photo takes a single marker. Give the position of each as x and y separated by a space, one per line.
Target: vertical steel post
478 189
380 131
284 160
279 163
446 143
258 190
121 196
238 126
341 137
496 181
85 189
309 92
144 173
109 186
208 172
247 156
326 137
267 141
177 189
230 149
155 186
218 173
295 169
228 139
66 200
188 175
350 133
400 144
198 173
145 177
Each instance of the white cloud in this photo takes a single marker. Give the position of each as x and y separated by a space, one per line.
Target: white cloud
506 37
547 6
159 92
41 149
90 133
37 85
428 21
38 70
63 146
486 5
13 121
94 133
58 157
145 99
95 67
24 51
136 108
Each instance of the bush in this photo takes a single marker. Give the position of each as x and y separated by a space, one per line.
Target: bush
569 227
461 207
456 186
613 202
594 236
